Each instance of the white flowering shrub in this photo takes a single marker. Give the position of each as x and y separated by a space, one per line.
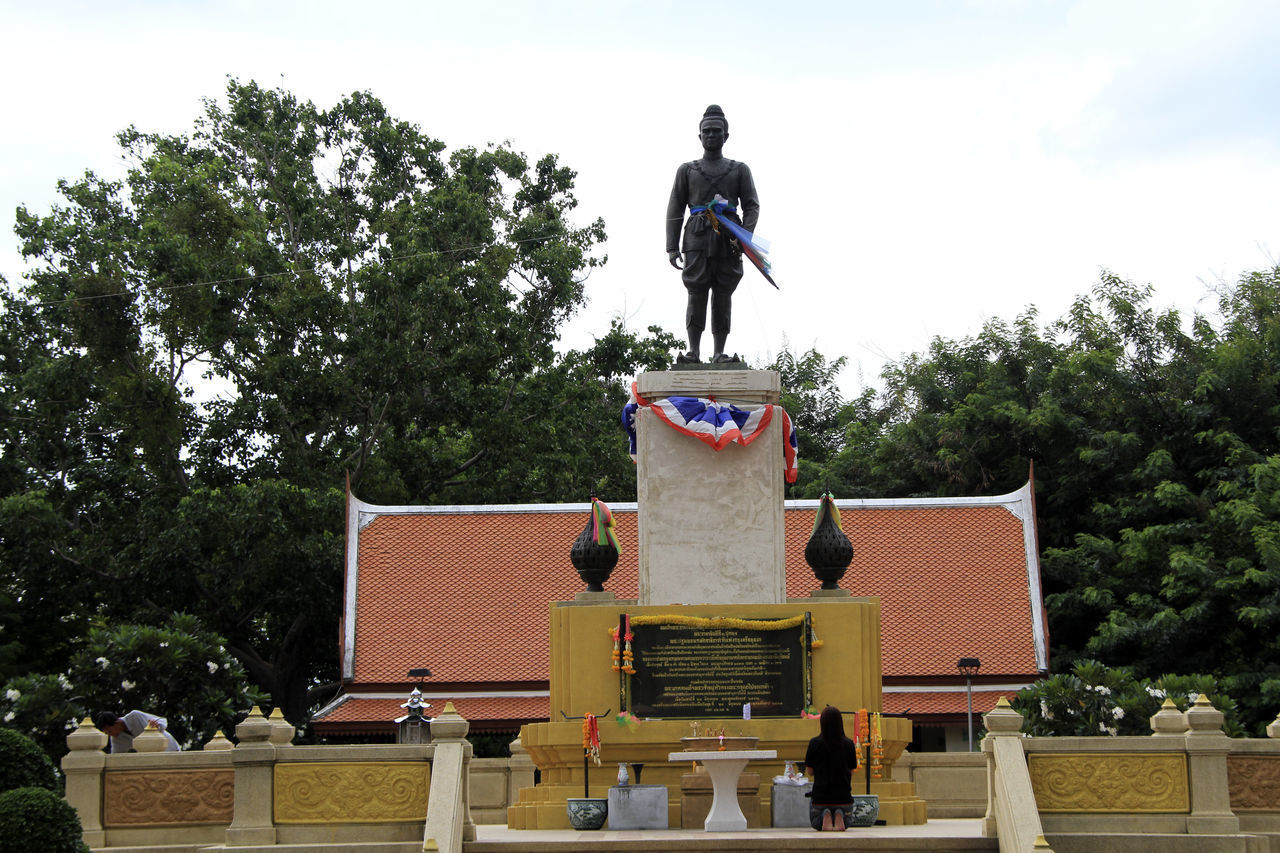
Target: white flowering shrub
179 671
1095 699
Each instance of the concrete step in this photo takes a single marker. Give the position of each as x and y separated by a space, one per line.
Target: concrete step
939 836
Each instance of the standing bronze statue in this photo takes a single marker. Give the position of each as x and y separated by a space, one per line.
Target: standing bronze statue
712 189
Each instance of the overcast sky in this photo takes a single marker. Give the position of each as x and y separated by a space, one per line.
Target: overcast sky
922 166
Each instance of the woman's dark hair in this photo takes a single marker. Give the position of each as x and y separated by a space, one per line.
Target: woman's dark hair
831 725
103 719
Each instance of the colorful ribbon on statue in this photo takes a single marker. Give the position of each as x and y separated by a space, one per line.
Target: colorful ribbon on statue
715 424
754 248
602 528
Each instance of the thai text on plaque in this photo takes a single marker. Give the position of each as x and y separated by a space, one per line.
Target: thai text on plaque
711 667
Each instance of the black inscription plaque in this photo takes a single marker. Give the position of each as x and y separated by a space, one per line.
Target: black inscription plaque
684 671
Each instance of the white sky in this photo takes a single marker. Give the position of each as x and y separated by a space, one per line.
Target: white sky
922 166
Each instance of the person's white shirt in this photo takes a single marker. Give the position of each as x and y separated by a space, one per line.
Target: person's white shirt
135 723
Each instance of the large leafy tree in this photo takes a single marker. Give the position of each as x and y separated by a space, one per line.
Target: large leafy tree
286 297
1156 450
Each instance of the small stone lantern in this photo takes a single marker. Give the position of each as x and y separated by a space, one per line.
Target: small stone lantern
414 726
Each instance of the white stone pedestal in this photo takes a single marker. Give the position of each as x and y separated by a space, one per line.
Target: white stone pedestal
711 522
638 807
790 805
725 767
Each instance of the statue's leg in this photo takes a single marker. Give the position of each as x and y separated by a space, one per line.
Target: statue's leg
722 304
698 286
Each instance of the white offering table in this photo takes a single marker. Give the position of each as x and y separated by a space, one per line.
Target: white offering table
724 767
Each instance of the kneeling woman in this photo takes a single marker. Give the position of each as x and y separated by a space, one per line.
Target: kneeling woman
831 758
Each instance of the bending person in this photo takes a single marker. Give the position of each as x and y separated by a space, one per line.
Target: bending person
124 729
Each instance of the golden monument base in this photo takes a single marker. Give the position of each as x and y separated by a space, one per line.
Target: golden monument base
843 668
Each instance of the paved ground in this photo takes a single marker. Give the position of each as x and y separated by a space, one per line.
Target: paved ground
952 828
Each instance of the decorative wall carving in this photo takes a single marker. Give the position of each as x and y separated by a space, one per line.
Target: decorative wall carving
1253 782
167 797
1110 782
351 792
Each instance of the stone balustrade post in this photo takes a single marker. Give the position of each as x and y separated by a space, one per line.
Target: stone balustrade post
1012 814
254 761
448 804
1207 748
1001 721
1168 721
282 731
151 739
83 768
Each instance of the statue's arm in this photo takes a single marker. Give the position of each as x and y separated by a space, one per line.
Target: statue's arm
748 201
675 214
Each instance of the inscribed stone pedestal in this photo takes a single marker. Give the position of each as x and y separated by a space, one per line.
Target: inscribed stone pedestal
711 522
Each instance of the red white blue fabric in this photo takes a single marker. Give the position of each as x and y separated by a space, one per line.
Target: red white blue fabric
715 424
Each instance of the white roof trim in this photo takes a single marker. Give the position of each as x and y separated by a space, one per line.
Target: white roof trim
350 586
1015 502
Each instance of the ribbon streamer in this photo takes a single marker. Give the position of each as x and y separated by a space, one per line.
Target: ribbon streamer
755 248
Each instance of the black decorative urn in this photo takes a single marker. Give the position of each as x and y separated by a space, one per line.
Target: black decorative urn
593 559
828 552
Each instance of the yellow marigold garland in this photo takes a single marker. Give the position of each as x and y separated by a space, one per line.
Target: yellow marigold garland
591 738
877 746
720 622
628 656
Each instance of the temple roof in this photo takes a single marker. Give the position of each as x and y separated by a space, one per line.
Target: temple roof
465 591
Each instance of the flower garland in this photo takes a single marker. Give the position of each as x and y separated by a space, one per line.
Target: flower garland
591 738
719 622
623 660
861 732
877 746
628 657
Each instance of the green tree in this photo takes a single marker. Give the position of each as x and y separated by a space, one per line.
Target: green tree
811 396
178 670
289 296
1156 448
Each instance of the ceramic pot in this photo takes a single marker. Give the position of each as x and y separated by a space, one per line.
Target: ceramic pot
866 808
587 812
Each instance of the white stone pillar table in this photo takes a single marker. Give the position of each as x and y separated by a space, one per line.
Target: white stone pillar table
724 767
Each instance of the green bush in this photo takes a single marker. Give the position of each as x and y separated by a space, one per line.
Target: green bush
23 764
38 819
1095 699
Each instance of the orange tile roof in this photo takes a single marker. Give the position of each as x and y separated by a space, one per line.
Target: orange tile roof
465 590
481 711
952 583
921 703
467 594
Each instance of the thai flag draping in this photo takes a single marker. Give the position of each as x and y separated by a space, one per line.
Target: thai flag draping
715 424
754 248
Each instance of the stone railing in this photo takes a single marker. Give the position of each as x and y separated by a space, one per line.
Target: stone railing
954 784
265 792
1187 787
496 783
